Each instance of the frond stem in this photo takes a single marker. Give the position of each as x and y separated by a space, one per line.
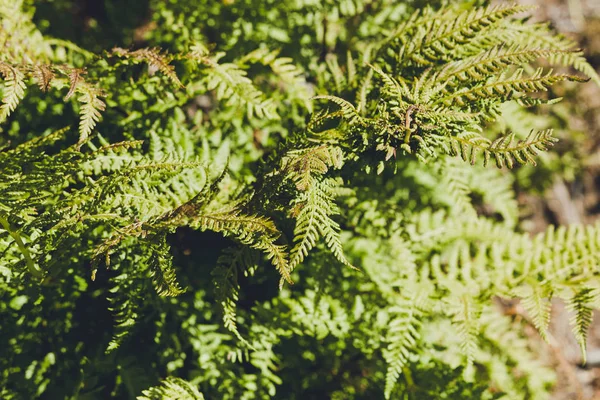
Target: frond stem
24 250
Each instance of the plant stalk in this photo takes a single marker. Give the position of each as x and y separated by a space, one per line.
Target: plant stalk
24 250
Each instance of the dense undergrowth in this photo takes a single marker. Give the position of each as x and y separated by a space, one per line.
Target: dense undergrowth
259 199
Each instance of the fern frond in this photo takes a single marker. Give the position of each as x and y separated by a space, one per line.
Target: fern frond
540 35
90 111
348 111
292 76
494 60
256 231
14 89
303 165
123 308
230 264
496 189
172 388
466 314
402 335
161 268
75 79
231 83
233 220
396 88
503 149
535 301
456 179
436 39
154 58
313 222
582 305
506 88
44 75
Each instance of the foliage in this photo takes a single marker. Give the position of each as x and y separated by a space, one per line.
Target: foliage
279 207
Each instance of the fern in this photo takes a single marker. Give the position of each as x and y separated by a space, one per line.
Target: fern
402 336
292 76
535 302
230 83
506 87
229 266
172 388
154 58
466 320
313 222
44 75
91 107
320 136
14 89
503 149
581 305
433 40
161 270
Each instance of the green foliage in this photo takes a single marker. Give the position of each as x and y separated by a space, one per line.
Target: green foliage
280 200
172 388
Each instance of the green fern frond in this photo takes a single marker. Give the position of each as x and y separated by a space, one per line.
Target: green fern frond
504 150
582 306
292 76
436 39
560 253
233 220
161 268
14 89
231 83
506 87
403 332
256 231
396 88
313 221
540 35
535 301
172 388
339 78
230 264
494 60
496 189
318 315
123 308
303 165
456 179
348 111
466 312
90 111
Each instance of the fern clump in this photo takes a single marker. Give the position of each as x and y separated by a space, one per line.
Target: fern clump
280 207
